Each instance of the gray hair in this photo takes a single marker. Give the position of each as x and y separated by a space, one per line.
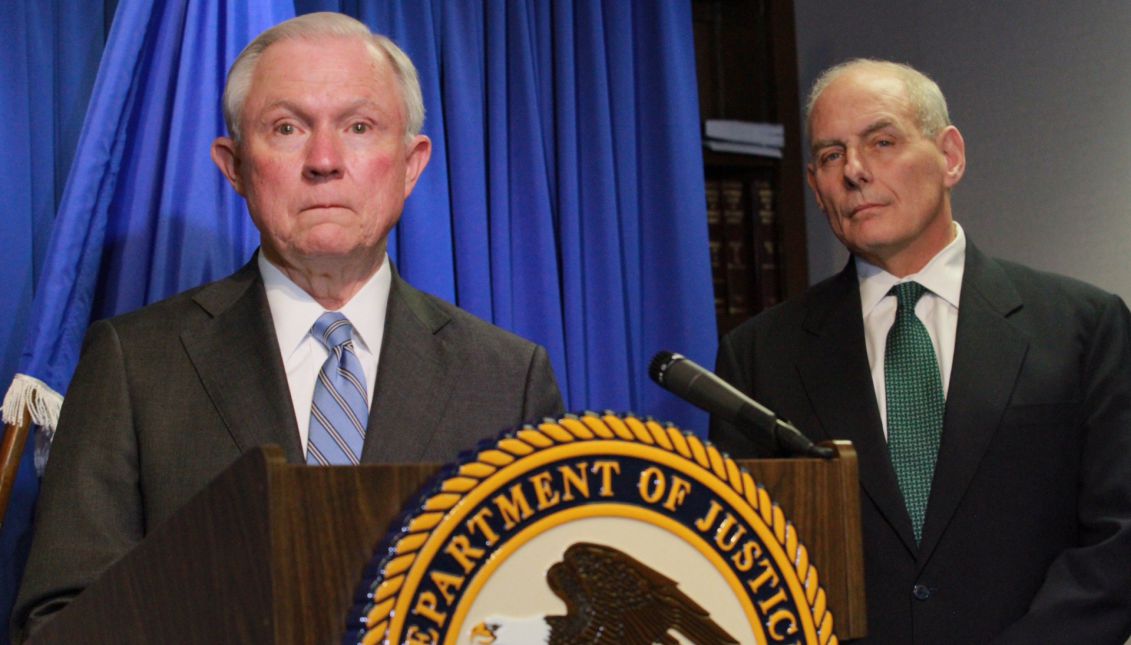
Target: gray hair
926 98
321 25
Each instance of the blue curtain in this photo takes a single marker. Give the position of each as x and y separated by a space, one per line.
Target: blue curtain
143 214
51 54
564 200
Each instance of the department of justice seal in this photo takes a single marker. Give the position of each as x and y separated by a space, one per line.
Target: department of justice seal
592 529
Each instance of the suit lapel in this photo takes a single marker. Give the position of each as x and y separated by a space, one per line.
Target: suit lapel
988 356
236 356
413 379
833 367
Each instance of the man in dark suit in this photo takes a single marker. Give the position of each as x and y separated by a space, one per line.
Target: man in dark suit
325 120
1020 528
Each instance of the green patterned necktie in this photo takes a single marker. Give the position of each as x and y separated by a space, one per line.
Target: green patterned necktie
915 403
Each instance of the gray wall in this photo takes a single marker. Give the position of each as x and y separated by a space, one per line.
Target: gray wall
1041 91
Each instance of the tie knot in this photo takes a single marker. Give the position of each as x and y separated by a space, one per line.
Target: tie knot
332 329
907 294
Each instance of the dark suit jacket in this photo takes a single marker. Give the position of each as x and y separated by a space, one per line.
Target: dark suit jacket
165 398
1027 537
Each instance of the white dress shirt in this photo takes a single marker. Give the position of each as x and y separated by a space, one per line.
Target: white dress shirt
294 313
937 309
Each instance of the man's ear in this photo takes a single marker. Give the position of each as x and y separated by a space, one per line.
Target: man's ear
419 152
225 154
953 147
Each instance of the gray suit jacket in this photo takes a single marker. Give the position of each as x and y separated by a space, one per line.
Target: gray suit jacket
165 398
1027 537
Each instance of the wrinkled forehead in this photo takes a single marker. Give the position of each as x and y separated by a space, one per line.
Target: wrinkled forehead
323 71
297 55
862 94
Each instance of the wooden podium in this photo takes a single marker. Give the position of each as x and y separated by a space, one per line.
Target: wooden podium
272 552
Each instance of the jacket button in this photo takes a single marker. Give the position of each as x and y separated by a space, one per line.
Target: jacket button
921 592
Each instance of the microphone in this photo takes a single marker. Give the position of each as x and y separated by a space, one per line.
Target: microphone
694 384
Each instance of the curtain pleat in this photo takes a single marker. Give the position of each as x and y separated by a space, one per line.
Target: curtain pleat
564 200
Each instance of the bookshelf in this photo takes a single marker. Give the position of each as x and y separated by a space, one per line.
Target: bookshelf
746 60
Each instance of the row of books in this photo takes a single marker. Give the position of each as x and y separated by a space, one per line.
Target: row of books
742 232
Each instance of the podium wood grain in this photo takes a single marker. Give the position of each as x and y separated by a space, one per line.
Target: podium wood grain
272 552
268 553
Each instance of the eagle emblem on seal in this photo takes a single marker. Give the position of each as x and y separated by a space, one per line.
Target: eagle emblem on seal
611 598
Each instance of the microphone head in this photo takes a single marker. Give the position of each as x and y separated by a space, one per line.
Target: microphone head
660 364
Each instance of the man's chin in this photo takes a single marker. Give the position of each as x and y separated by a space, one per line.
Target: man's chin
868 246
864 234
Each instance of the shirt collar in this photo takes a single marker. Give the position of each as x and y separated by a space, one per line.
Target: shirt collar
294 311
942 275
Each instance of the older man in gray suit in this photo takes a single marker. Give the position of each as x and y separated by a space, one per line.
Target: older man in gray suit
325 146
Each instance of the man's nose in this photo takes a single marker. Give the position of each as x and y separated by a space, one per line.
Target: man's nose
856 171
323 156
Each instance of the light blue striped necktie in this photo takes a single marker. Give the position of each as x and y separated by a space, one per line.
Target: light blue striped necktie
339 410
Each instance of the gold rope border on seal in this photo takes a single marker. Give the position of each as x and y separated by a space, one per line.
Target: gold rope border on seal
546 435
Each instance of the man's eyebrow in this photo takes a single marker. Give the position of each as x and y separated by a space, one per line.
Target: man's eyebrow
876 126
821 144
282 104
871 128
297 108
